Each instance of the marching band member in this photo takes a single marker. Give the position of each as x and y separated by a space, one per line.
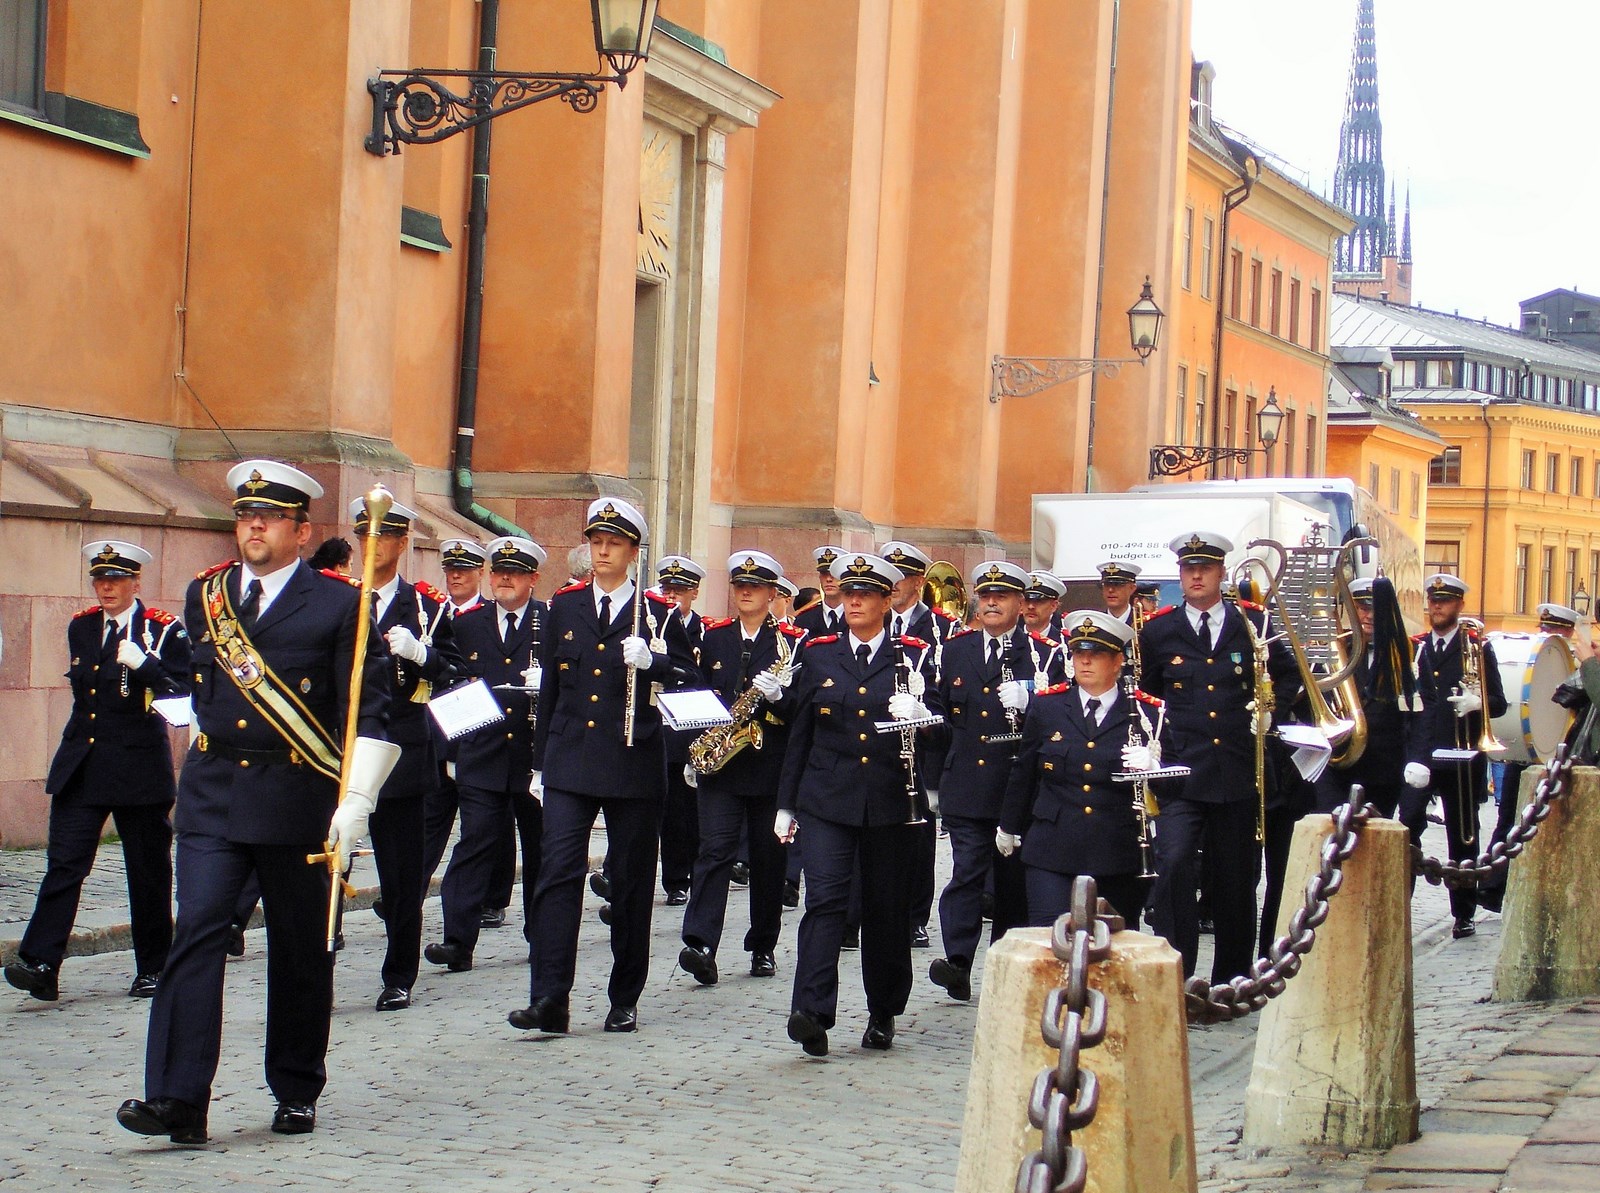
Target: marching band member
1117 581
827 615
857 794
1064 815
678 577
739 655
1041 604
984 682
114 760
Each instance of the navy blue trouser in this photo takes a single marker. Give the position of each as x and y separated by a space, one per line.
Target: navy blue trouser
396 831
1228 833
723 816
974 859
1050 895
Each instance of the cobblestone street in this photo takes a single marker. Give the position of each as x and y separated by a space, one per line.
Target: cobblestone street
710 1094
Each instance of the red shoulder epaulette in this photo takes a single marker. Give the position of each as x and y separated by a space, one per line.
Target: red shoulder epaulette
1162 612
819 641
789 629
1054 689
429 591
913 643
715 623
1252 605
1038 637
960 633
86 612
579 585
215 568
333 575
1147 698
159 616
938 612
659 599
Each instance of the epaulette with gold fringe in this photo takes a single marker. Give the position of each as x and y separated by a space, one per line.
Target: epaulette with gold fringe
89 612
215 568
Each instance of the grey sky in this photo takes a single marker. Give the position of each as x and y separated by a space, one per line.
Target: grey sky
1487 110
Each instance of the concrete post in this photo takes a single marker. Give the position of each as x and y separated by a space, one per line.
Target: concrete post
1550 939
1335 1063
1143 1135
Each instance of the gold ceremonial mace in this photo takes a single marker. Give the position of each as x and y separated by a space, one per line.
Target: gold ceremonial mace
378 503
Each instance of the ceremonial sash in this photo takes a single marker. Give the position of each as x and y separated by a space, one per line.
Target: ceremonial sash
267 694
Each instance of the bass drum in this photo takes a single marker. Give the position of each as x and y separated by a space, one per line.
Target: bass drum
1532 666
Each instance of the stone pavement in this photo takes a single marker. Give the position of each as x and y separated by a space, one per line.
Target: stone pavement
711 1094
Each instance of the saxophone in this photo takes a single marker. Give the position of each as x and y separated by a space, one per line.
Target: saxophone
713 749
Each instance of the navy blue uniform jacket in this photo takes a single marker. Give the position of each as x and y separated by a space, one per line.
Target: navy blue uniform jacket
1437 677
410 727
307 636
724 670
836 766
499 757
116 745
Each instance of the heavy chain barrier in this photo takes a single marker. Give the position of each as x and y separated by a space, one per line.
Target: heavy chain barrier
1471 871
1205 1003
1065 1097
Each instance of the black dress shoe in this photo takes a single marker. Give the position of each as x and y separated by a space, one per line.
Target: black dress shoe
492 917
36 977
623 1019
144 985
852 939
605 913
791 893
919 937
235 941
1463 927
379 910
879 1035
178 1121
808 1033
449 956
956 980
295 1118
677 897
600 885
545 1014
741 874
700 963
393 998
763 965
986 905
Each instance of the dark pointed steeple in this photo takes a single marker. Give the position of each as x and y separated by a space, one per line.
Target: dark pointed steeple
1358 181
1405 236
1389 226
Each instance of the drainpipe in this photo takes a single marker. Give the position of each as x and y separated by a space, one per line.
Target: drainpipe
1230 200
461 493
1483 553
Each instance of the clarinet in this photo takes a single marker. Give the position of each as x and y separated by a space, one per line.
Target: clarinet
528 676
908 736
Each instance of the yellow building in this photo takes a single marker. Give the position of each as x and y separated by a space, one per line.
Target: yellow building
1255 258
1511 504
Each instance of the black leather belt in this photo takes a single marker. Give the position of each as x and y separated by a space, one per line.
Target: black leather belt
238 754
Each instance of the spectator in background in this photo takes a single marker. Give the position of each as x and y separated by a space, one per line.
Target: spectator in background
580 567
333 555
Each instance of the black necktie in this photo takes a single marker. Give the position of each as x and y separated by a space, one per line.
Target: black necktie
899 628
605 612
994 652
863 654
833 622
1091 715
113 633
250 605
1438 646
511 626
1205 630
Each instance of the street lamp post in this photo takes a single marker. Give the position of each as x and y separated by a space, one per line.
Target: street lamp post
1170 459
1018 376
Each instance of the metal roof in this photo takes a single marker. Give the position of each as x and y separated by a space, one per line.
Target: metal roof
1365 322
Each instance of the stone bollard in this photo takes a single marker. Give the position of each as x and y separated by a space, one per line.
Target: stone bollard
1550 937
1142 1136
1335 1062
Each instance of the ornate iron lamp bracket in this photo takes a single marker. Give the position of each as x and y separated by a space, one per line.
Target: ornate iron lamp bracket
413 107
1170 460
1018 376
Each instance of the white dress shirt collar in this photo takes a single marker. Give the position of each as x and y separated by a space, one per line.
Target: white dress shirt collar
1105 698
385 594
272 583
873 645
619 597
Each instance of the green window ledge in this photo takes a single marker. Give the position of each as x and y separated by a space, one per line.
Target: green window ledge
89 123
423 230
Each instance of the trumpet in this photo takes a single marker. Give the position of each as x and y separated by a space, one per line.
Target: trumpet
1472 682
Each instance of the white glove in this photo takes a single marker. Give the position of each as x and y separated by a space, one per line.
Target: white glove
1137 758
1006 843
1465 703
690 775
784 826
450 771
1417 775
636 653
370 763
903 706
1014 695
536 786
403 644
769 685
130 655
933 801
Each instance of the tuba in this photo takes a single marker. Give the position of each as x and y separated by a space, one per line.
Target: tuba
943 588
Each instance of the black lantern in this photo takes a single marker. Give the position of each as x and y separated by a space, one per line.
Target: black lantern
1581 600
1269 419
1144 323
622 31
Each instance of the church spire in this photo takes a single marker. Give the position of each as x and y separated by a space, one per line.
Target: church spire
1405 236
1389 228
1358 180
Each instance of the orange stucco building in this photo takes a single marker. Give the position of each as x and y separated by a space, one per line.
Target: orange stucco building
758 290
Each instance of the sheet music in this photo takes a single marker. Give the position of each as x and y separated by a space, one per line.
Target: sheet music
463 709
695 709
175 710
